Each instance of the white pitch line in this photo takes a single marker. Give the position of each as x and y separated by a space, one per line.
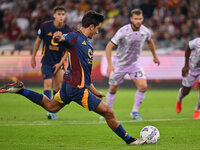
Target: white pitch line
48 123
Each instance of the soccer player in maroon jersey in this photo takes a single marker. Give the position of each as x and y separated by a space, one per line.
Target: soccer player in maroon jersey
77 85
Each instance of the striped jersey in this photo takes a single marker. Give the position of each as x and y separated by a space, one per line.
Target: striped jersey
80 58
129 44
194 61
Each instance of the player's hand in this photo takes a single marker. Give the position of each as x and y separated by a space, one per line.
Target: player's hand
56 67
110 69
58 37
156 61
33 62
100 95
185 71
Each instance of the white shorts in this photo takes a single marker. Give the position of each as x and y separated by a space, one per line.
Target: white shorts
190 79
135 71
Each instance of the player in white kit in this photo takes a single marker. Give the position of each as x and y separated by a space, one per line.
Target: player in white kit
190 72
129 40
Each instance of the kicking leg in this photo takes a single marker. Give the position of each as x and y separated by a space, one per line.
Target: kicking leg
37 98
52 106
104 110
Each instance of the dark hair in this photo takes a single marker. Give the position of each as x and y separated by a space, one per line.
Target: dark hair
59 9
92 17
136 11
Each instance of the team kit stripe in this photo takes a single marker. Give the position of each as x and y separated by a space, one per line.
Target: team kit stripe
82 79
69 56
85 99
43 51
77 77
65 62
58 98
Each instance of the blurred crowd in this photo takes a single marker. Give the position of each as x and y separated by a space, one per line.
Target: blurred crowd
172 22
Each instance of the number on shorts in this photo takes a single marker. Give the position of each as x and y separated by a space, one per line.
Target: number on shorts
138 74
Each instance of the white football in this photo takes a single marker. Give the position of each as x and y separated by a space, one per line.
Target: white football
150 134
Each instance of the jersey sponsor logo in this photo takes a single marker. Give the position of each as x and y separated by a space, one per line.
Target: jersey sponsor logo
84 43
90 61
53 43
54 48
90 53
50 34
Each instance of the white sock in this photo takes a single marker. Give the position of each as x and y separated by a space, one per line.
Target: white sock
110 99
139 98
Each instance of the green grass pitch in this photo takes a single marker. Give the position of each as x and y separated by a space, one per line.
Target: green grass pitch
23 125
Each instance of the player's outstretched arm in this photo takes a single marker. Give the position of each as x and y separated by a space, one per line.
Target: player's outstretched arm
151 46
35 49
109 48
58 37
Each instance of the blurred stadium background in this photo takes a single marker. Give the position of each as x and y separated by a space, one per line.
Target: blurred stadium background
24 126
172 22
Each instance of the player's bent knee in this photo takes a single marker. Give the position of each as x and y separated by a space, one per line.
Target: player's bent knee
113 89
143 88
52 109
51 106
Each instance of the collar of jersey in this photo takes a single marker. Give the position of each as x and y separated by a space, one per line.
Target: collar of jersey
83 35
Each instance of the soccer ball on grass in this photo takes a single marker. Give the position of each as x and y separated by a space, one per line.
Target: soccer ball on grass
150 134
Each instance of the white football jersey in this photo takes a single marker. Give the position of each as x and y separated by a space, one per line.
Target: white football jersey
129 44
194 61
